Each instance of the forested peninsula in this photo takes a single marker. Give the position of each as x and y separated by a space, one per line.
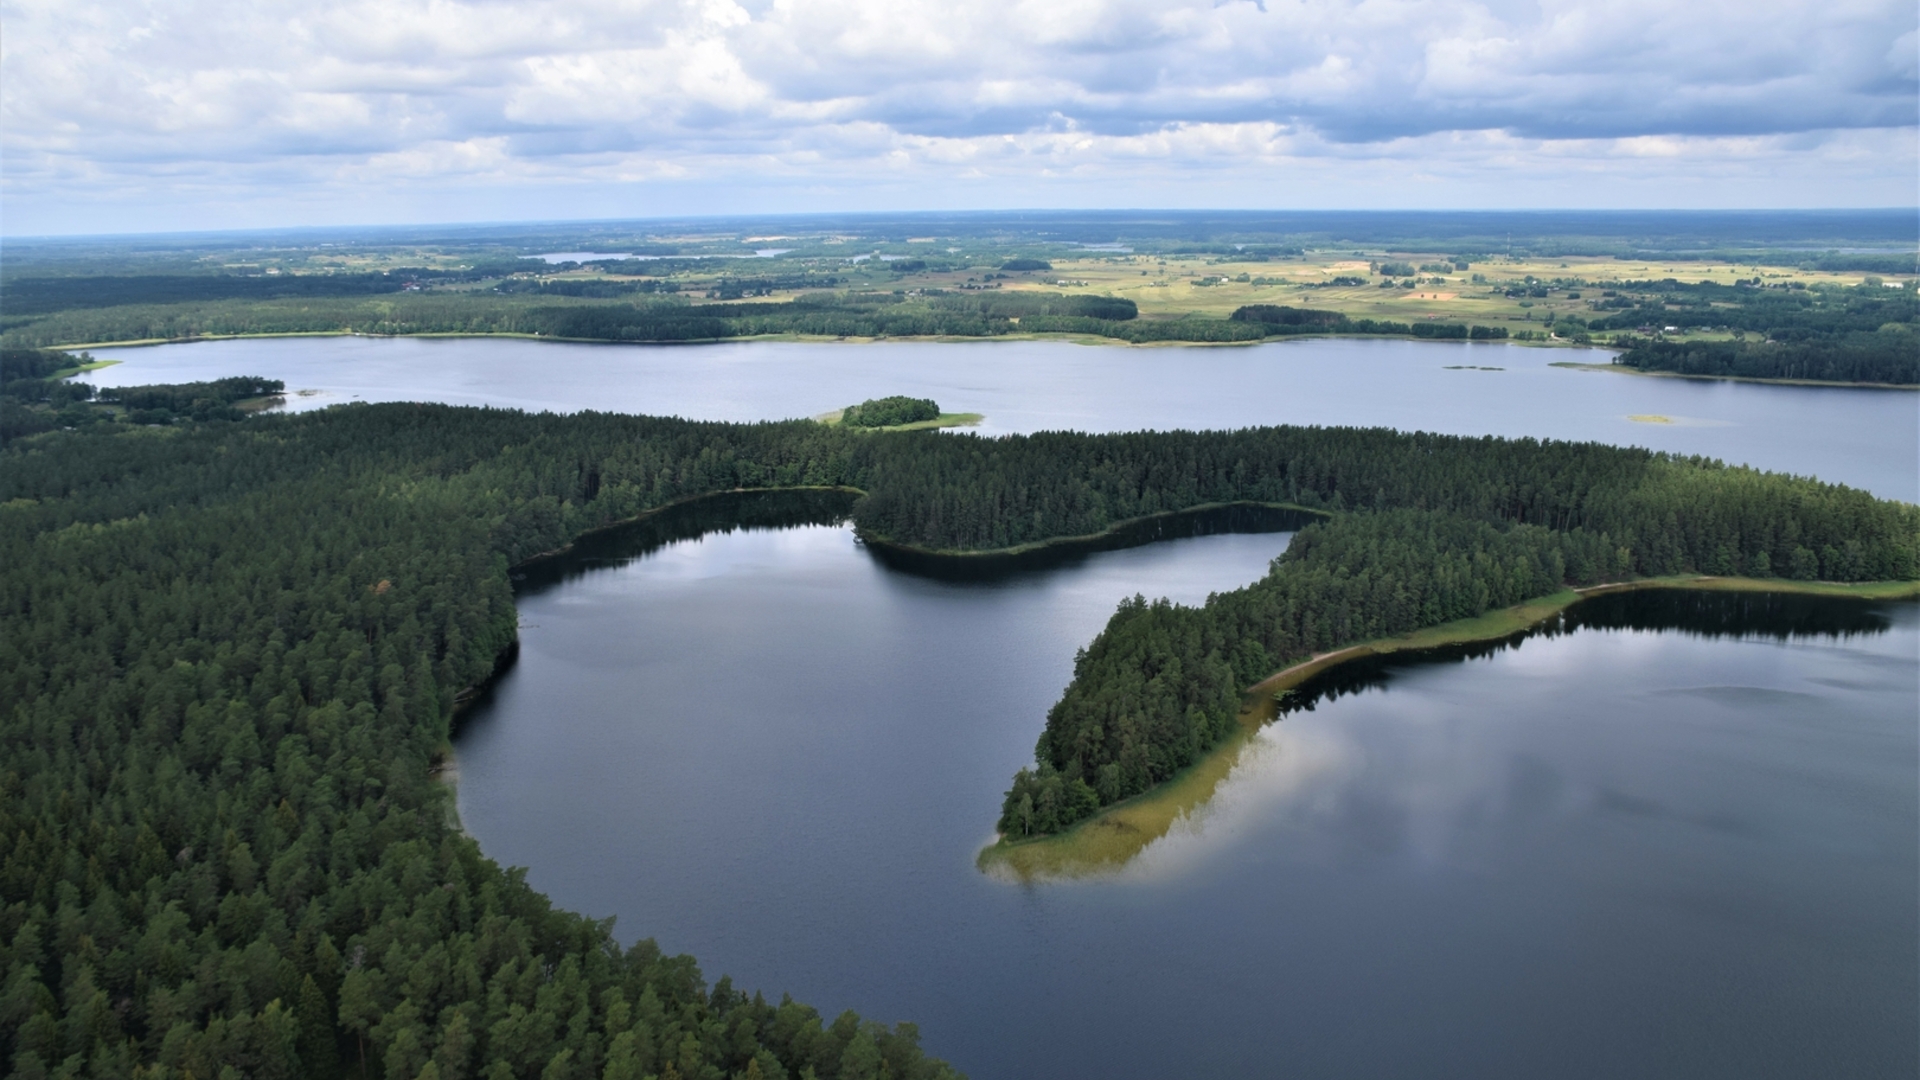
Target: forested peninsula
1865 335
236 648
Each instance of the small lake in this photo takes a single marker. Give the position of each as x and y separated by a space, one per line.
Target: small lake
1675 835
1866 438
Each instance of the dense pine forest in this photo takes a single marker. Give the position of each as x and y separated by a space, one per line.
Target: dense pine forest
233 652
1887 357
236 646
1865 334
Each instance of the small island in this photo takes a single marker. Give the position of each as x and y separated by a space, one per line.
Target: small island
898 413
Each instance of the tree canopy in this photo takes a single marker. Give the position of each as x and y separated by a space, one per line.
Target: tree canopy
235 649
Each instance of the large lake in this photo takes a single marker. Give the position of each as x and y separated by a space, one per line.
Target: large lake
1681 842
1677 835
1867 438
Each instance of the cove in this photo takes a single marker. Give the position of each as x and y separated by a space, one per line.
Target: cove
1868 439
1673 843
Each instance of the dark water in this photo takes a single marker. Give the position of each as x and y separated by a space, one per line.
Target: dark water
1866 438
1673 835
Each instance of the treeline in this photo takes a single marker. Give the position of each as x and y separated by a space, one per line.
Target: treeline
1022 305
644 312
234 651
726 288
165 402
588 288
555 313
1281 321
35 398
40 295
398 313
1891 356
1674 515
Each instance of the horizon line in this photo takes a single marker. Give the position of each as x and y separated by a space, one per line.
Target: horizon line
1875 211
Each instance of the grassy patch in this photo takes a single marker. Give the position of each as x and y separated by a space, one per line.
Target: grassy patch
92 365
944 420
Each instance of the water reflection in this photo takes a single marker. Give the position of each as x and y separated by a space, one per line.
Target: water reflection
726 512
1700 613
719 514
1444 778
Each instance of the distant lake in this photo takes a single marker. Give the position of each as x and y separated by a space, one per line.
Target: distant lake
1866 438
1678 835
555 258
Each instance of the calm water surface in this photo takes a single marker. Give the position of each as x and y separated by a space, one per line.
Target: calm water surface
1867 438
1599 852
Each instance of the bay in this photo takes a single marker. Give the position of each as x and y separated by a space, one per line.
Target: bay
1669 837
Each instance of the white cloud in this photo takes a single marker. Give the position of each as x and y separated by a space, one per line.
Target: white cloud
329 108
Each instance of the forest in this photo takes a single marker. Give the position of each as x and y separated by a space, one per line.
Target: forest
1869 333
237 646
642 312
234 651
1889 357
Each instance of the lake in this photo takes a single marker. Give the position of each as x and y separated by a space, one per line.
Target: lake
1671 835
1675 834
1866 438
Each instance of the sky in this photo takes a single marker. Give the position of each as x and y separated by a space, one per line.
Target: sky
163 115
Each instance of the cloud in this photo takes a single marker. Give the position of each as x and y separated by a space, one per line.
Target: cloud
166 101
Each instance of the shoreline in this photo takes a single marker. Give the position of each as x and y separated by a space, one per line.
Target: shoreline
553 553
1110 839
1084 540
1622 369
1070 337
952 556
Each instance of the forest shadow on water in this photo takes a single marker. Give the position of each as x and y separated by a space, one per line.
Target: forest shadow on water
793 508
727 512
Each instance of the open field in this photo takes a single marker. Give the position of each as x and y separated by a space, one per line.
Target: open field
1170 287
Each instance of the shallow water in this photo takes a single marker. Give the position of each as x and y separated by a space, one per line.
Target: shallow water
1866 438
1612 850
